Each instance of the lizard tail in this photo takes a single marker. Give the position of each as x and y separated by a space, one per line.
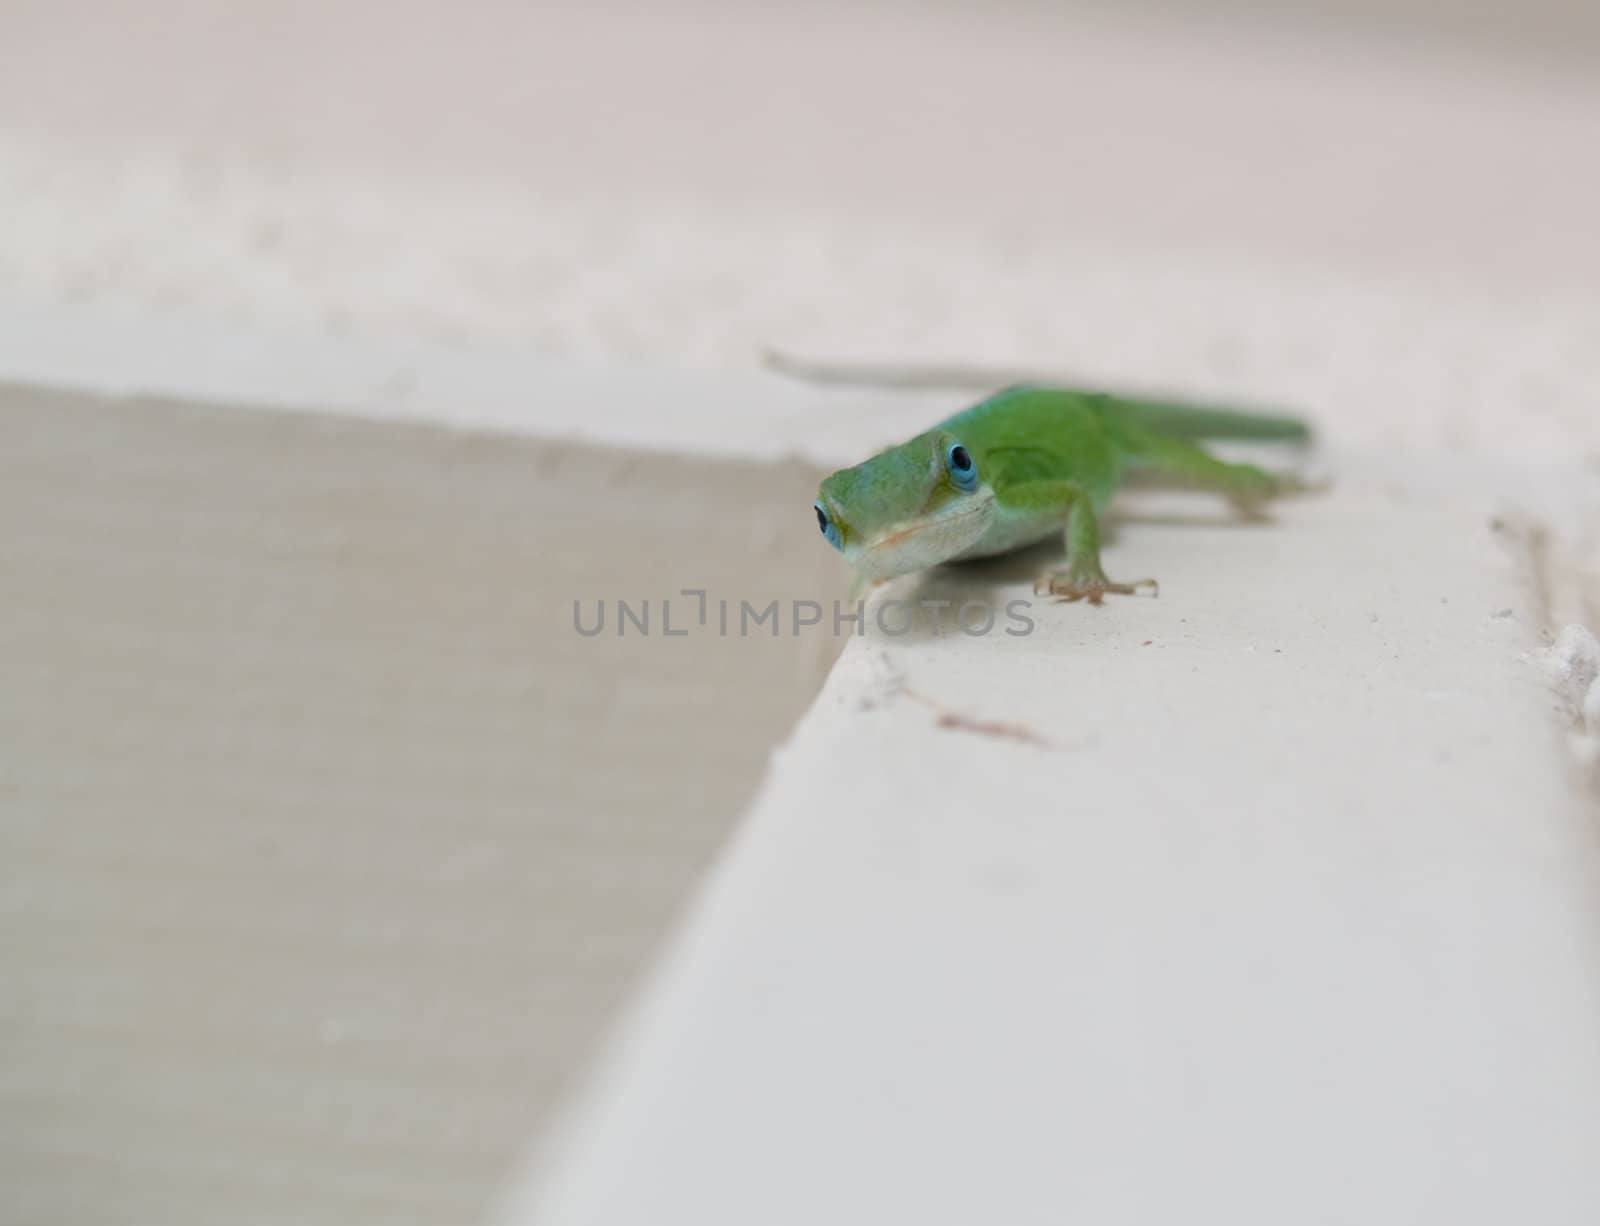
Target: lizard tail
1195 421
1175 419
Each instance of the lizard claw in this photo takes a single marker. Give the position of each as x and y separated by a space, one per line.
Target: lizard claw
1090 586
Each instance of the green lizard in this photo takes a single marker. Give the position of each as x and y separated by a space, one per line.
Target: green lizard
1028 462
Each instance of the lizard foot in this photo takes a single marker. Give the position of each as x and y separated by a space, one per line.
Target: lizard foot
1254 489
1085 583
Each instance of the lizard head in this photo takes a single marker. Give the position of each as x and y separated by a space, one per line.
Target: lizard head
906 508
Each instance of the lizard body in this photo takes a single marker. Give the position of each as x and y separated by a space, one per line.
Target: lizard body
1028 462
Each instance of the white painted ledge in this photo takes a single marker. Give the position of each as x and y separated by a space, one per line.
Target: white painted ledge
1301 908
1298 920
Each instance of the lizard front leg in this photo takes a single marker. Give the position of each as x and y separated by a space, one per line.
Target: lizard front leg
1083 578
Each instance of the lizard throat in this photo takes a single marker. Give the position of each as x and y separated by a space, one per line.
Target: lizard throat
926 541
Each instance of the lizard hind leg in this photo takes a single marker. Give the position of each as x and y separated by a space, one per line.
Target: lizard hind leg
1178 464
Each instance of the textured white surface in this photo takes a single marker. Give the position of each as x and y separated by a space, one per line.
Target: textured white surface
1573 661
1297 922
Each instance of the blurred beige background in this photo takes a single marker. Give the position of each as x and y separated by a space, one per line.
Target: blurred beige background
1102 187
327 848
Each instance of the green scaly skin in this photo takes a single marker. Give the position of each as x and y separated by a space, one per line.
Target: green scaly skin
1026 463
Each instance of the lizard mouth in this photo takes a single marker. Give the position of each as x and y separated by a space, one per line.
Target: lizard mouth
926 541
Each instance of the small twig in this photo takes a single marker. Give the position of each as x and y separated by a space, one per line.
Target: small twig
1002 729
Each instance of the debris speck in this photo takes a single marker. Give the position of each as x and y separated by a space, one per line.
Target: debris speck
884 684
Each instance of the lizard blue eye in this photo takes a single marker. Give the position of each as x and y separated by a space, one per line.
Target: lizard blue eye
829 528
963 470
